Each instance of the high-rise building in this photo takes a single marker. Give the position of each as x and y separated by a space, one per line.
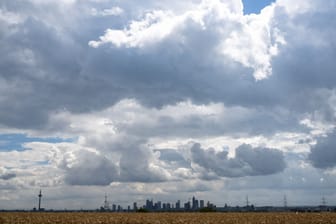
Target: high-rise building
149 204
157 205
178 204
194 203
201 203
135 207
187 205
120 208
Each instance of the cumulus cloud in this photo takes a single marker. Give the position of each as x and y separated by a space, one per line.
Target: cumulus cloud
90 168
248 161
121 162
323 153
135 166
154 27
130 121
224 19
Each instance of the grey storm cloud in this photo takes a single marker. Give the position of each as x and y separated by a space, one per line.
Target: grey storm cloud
173 157
248 161
323 154
7 176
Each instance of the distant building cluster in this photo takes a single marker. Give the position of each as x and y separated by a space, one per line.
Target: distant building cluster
196 205
150 205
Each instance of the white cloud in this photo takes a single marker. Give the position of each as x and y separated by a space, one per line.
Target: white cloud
297 7
159 24
251 40
155 26
114 11
255 42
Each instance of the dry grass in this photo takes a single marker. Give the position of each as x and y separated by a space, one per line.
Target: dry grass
165 218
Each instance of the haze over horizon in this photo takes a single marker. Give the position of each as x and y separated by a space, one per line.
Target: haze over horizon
167 99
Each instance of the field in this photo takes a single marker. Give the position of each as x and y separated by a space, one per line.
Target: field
163 218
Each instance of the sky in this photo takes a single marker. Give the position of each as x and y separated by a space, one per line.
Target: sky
253 6
217 99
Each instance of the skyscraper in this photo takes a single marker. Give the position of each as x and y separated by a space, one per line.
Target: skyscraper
178 204
201 203
194 203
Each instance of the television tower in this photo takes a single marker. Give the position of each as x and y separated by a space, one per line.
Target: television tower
40 197
247 201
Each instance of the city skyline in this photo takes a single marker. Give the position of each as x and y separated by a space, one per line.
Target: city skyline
220 99
190 204
193 204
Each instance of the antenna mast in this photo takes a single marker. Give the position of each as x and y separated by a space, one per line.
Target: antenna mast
285 201
106 204
324 202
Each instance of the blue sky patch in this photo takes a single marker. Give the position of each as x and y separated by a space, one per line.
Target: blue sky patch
254 6
10 142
